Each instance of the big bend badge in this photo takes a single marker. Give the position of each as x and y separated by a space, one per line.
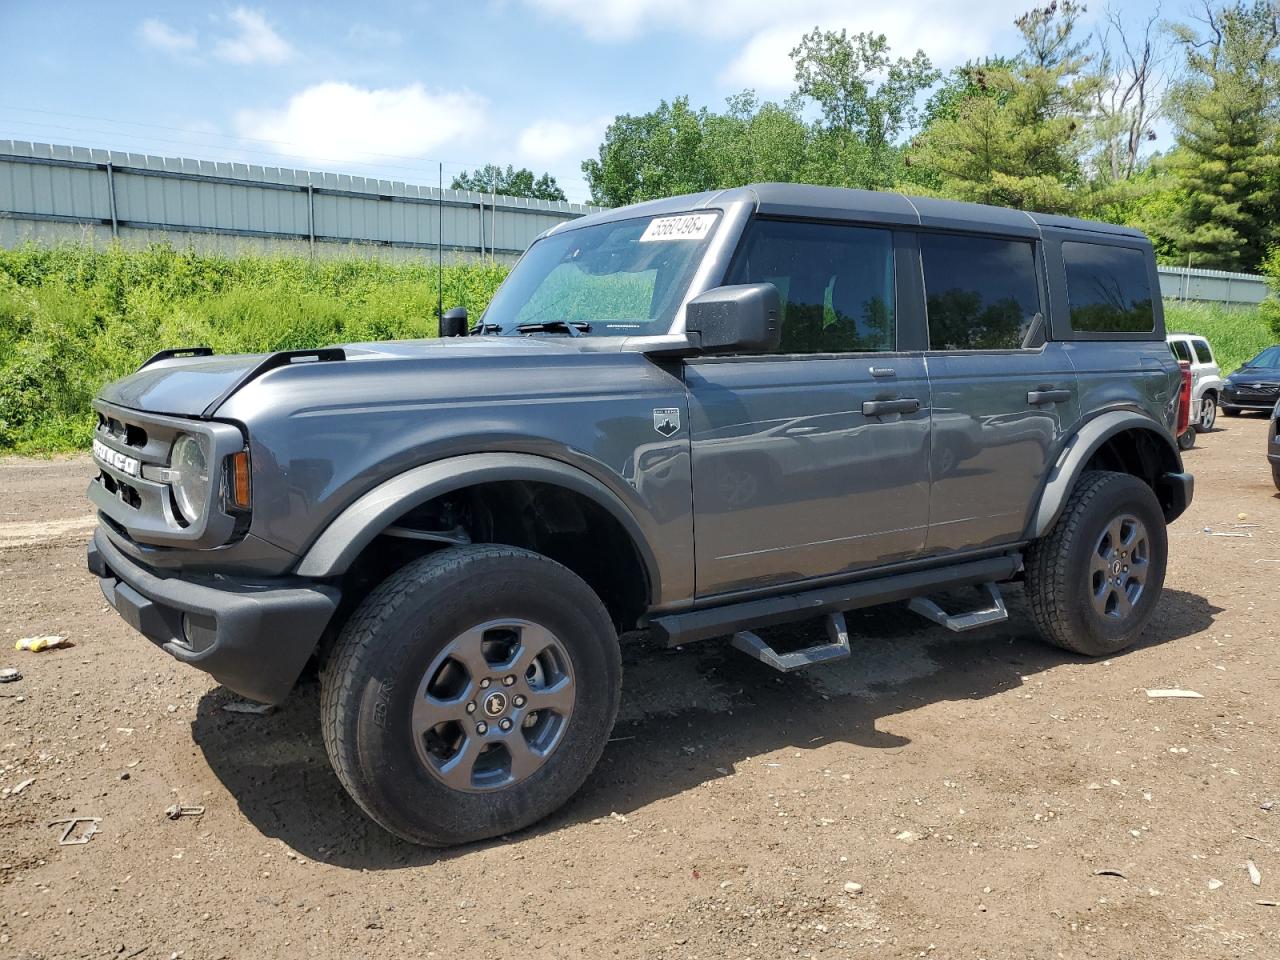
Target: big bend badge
666 420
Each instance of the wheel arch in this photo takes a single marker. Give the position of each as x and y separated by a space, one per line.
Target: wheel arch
353 530
1123 441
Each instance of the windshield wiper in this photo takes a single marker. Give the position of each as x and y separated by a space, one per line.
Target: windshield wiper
483 328
575 328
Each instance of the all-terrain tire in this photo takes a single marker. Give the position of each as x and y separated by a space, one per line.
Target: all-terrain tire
1060 575
373 679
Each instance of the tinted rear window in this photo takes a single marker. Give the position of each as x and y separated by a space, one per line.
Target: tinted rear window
1107 289
981 293
1179 348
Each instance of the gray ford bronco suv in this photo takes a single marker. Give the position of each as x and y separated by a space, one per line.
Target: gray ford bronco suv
686 419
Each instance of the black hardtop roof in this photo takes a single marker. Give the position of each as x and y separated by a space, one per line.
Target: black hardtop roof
839 203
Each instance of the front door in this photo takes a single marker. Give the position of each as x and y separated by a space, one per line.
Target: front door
812 461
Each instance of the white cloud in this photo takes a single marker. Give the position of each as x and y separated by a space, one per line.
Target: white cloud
156 33
254 42
764 62
340 122
547 143
949 33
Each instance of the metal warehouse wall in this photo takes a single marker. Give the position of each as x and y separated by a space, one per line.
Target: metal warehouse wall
54 193
1212 286
57 192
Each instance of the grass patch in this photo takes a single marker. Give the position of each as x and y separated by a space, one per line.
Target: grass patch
1235 333
73 318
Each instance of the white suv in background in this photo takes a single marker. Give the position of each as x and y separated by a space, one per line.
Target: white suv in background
1206 378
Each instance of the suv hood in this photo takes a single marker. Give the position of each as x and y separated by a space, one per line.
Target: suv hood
195 386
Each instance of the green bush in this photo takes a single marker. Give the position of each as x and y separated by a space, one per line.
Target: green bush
1270 307
1235 333
73 318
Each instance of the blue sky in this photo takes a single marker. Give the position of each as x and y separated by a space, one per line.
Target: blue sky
389 89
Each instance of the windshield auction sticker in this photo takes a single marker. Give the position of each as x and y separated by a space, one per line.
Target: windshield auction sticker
691 226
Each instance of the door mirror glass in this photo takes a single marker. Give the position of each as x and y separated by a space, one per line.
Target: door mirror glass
737 319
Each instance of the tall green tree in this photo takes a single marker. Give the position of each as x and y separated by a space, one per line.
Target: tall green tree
866 100
1019 142
1227 116
677 149
649 155
510 182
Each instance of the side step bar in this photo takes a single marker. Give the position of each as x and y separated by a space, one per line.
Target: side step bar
838 649
686 626
959 622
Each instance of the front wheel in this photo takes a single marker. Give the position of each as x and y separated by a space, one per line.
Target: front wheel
1187 439
1094 580
1208 414
1275 475
1231 411
470 694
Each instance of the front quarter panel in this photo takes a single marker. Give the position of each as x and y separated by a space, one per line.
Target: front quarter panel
323 435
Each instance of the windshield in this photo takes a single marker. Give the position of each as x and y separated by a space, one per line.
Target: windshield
621 279
1269 357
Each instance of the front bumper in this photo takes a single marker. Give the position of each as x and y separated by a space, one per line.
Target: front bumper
253 636
1248 401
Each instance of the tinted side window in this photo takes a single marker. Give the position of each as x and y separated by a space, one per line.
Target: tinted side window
1180 351
1202 351
1107 289
981 293
836 283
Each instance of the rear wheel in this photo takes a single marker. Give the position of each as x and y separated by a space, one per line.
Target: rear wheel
1094 580
1208 413
1187 439
470 694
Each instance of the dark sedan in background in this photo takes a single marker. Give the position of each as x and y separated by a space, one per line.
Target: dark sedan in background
1255 386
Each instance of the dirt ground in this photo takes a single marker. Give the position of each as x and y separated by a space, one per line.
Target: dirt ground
994 798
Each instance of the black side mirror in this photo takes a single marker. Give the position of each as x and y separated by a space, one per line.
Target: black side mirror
744 318
454 322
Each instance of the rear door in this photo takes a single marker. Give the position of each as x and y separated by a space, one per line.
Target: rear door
1002 396
812 461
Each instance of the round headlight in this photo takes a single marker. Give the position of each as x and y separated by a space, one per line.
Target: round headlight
191 482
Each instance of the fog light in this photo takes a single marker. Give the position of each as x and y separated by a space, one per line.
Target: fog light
200 631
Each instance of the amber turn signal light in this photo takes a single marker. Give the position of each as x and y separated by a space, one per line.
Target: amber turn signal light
239 476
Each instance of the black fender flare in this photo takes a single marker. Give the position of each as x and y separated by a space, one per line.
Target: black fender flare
1083 444
355 527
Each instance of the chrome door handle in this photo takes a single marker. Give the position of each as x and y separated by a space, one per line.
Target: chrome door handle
878 408
1038 397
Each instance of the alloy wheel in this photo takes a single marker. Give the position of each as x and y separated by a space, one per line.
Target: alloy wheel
1119 567
493 706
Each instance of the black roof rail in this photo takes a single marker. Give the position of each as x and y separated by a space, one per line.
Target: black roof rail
282 358
177 352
